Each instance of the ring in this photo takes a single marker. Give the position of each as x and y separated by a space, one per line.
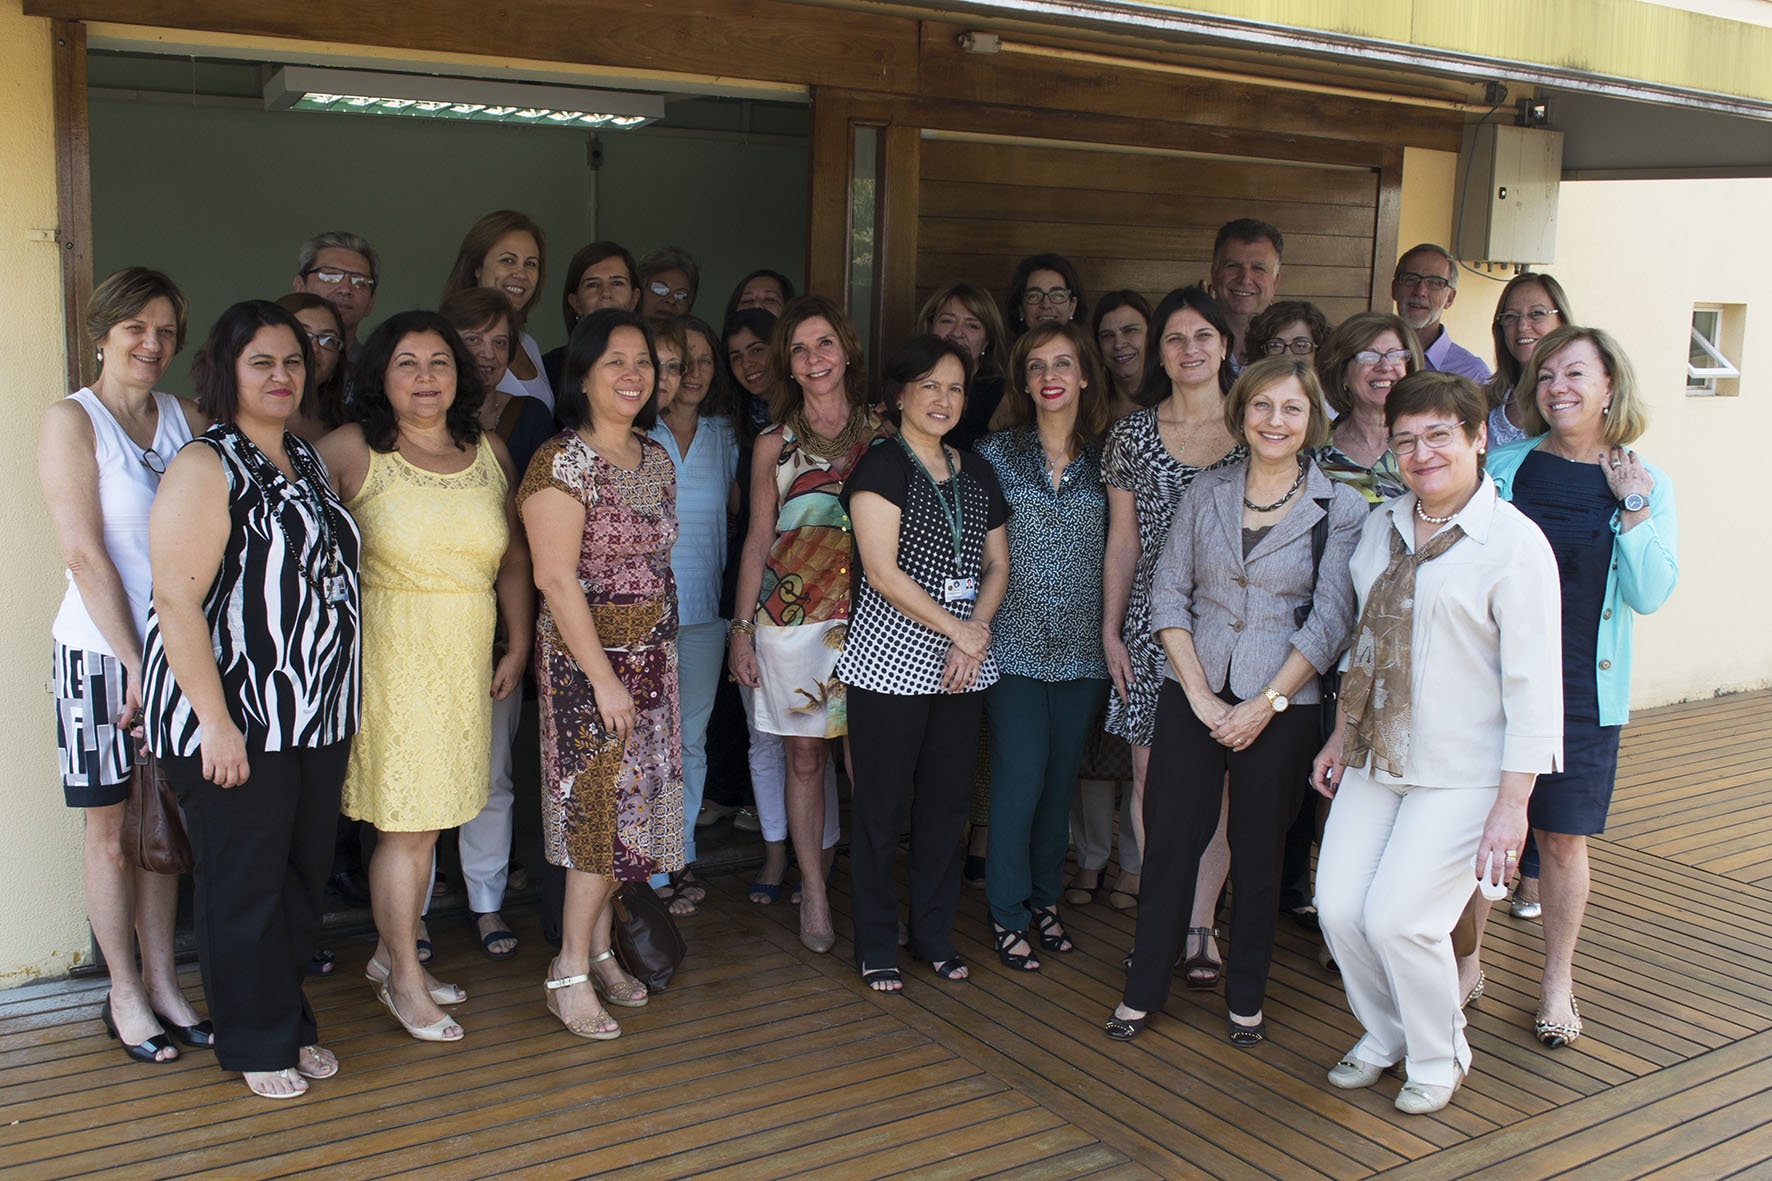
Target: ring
1510 855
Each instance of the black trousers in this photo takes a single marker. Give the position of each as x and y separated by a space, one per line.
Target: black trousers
262 852
1181 802
913 762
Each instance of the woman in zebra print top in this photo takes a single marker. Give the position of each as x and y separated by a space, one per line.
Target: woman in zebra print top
251 675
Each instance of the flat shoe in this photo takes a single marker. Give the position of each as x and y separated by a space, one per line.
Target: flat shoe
441 994
886 980
1425 1098
436 1031
500 935
1076 894
300 1088
148 1051
1557 1034
328 1065
712 813
952 969
1122 900
1245 1037
1525 908
1350 1074
1124 1029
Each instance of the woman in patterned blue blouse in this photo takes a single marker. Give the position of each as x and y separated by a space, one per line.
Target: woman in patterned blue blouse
1047 638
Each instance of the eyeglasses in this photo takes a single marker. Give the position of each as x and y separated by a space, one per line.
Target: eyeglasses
1434 439
326 340
152 461
1302 346
1373 356
670 368
1433 283
1034 297
1535 316
333 276
663 291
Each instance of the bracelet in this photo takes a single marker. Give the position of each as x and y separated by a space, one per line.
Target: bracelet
742 627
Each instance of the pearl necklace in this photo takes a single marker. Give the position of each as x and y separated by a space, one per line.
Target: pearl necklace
1433 520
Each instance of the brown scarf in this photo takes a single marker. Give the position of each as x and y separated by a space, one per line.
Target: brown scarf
1376 689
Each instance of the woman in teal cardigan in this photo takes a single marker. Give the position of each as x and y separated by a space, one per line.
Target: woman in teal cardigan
1609 517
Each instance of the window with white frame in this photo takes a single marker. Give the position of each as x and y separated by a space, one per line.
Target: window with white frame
1716 337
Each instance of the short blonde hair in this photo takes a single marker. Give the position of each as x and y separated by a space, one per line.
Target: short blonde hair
1266 374
1625 420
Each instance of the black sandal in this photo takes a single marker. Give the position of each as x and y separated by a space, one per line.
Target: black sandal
1020 961
877 976
952 969
1045 919
1202 971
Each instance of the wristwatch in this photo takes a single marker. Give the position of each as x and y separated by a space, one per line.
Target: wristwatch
1636 502
1276 699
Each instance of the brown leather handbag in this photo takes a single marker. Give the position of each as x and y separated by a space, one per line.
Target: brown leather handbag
646 936
153 835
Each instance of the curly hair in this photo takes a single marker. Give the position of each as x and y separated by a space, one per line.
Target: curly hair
369 392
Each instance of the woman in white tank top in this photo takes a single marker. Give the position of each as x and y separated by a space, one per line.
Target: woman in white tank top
100 453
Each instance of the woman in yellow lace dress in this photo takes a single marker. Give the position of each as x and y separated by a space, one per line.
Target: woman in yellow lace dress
442 558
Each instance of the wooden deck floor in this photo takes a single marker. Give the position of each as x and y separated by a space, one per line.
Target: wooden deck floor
767 1061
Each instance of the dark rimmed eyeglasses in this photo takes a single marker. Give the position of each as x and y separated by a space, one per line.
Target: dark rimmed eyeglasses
152 461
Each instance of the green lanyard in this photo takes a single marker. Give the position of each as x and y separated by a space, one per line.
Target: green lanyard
957 519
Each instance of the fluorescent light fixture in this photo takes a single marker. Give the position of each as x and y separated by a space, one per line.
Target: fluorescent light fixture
307 88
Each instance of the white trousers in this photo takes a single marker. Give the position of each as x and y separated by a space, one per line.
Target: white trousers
1393 874
486 839
769 769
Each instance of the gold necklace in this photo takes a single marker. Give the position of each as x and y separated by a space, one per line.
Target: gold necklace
855 428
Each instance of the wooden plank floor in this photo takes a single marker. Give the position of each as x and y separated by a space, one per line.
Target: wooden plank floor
766 1061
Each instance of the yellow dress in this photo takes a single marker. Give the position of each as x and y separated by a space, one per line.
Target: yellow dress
431 548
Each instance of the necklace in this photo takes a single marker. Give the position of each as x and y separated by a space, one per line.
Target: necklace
1433 520
310 487
855 428
1290 493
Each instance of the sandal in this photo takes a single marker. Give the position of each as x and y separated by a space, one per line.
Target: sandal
320 963
676 901
1005 940
436 1031
325 1062
1045 921
687 885
1557 1034
1124 1029
628 992
952 969
425 950
1202 971
291 1079
882 979
1245 1037
601 1028
442 994
500 934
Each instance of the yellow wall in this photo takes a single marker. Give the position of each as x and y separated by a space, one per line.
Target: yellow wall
42 921
1634 256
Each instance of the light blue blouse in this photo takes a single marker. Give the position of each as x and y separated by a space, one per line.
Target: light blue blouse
1645 566
704 483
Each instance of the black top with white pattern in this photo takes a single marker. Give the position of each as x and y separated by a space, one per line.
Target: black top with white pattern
886 651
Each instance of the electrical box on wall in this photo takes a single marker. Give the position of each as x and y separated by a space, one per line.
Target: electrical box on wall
1507 212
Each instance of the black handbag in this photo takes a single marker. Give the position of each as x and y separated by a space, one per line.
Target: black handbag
646 936
1329 683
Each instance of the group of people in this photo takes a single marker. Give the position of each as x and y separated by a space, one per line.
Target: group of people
1185 519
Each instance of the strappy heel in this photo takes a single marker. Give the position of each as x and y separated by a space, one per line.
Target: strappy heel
586 1027
1019 961
1202 971
1045 921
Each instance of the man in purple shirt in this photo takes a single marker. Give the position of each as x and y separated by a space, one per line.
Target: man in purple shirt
1424 286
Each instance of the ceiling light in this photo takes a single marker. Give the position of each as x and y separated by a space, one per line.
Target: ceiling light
305 88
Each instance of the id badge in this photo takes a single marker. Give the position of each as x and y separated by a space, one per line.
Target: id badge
336 590
962 590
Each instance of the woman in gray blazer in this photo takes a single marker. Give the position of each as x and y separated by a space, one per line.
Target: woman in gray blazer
1252 602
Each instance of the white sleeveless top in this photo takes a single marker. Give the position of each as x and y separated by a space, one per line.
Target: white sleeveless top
126 488
536 387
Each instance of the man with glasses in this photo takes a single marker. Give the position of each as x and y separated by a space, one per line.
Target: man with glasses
1424 286
669 278
343 269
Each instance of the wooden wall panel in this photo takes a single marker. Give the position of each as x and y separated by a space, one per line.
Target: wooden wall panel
1146 222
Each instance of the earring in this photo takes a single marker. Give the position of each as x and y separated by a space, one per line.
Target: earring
1606 410
99 351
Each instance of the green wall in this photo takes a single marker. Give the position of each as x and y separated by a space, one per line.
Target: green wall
221 197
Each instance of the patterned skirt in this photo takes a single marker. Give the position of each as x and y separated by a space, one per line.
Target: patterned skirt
608 807
798 694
